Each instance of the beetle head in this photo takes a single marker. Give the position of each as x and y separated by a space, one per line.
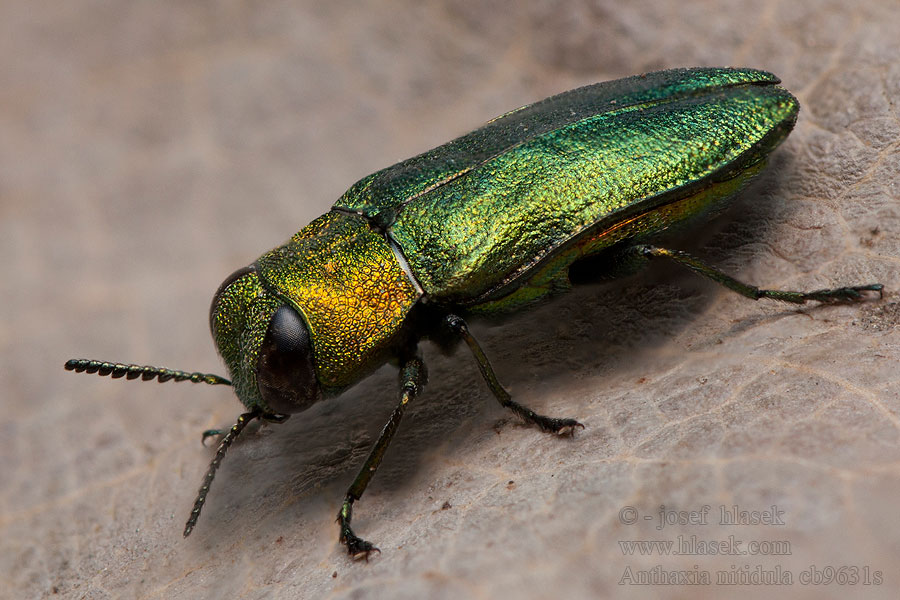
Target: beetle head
266 346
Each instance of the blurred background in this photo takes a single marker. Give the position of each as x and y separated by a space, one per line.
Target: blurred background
148 149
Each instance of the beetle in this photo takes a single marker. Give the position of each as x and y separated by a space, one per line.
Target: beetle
491 222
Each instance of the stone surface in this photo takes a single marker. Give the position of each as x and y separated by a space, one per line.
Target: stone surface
148 149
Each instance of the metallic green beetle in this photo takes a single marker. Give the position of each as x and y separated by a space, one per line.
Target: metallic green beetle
490 222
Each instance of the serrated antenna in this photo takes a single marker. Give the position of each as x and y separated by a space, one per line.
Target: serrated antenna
145 372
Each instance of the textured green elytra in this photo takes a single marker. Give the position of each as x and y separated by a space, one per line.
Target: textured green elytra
488 223
476 216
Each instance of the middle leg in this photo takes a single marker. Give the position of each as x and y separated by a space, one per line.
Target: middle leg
550 424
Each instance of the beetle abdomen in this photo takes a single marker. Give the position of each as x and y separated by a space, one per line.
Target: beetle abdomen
476 216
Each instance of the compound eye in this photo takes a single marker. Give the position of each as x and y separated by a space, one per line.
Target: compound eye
285 372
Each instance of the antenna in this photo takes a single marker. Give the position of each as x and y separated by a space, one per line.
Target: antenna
162 374
146 373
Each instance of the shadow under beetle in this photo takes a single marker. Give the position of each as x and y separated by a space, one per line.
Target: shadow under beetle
487 223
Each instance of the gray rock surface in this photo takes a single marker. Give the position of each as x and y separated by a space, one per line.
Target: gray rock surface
148 149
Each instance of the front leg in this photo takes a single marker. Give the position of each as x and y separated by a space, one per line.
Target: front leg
412 379
549 424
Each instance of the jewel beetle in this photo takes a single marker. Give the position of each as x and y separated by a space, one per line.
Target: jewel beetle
490 222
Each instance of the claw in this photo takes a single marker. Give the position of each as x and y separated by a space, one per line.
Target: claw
210 433
359 549
567 429
846 294
561 427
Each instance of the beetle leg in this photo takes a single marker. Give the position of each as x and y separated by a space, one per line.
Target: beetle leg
843 294
226 442
211 433
549 424
412 378
269 418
